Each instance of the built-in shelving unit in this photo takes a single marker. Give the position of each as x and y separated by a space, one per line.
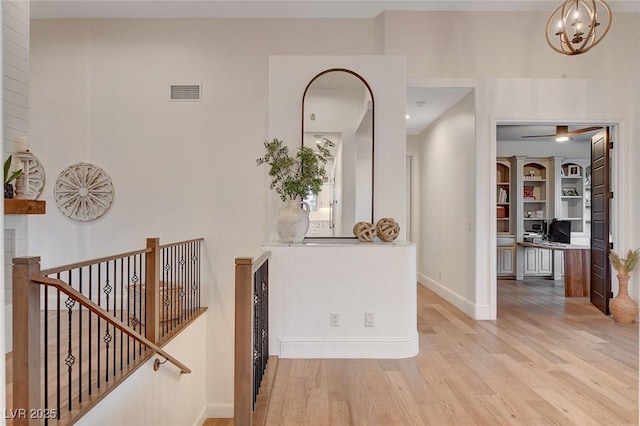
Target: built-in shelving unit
503 198
587 200
541 189
505 217
534 196
19 206
572 195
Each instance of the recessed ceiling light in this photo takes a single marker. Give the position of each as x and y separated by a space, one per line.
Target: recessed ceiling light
562 138
407 116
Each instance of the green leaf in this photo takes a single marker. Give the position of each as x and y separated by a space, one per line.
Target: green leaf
7 165
294 177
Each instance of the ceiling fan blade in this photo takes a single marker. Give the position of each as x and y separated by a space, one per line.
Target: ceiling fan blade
585 130
564 131
538 136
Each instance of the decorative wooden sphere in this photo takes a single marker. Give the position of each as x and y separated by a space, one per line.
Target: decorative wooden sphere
365 231
387 229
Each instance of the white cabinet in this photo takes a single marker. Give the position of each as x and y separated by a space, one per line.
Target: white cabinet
506 259
537 261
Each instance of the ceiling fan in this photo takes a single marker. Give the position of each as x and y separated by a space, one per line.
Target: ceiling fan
563 134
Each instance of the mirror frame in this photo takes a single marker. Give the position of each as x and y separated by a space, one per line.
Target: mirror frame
373 132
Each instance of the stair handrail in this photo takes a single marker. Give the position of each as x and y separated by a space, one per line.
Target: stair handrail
93 307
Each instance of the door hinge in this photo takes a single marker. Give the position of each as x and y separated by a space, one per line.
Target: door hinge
610 246
611 195
610 144
610 295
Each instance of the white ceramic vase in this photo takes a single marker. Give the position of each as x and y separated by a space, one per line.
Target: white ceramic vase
293 221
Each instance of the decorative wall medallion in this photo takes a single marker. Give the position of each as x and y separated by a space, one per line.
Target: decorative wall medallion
83 192
32 180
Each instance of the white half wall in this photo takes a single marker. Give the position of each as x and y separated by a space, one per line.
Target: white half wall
310 282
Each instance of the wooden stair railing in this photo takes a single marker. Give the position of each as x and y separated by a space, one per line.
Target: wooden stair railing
119 312
90 305
251 335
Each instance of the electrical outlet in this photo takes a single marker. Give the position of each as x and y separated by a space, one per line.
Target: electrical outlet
335 319
368 319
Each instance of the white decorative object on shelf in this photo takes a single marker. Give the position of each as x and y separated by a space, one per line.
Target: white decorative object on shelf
83 192
30 183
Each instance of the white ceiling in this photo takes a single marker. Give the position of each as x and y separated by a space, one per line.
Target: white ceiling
282 8
423 105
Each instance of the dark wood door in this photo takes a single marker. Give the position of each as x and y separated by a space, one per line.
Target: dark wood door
600 190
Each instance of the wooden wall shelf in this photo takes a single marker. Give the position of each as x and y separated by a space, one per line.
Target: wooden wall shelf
18 206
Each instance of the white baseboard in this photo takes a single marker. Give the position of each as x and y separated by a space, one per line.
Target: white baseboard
219 411
462 303
351 347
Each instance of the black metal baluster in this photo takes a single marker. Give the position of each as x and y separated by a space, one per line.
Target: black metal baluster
115 315
80 280
185 285
256 340
122 310
129 284
167 271
142 297
266 308
98 345
137 287
46 349
90 341
198 301
107 334
194 285
58 404
185 278
70 359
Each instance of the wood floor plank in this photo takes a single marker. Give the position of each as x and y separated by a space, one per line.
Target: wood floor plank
546 360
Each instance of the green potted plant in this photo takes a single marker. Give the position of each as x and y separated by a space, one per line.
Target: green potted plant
9 177
293 178
623 308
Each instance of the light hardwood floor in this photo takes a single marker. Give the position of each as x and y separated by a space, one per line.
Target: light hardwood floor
547 360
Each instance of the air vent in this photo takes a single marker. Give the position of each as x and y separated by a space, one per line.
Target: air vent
185 92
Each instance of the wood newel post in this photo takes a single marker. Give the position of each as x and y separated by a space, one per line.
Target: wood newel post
26 340
243 358
152 314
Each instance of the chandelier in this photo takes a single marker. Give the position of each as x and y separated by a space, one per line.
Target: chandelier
571 29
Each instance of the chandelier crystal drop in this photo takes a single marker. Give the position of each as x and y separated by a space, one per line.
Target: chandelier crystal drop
578 25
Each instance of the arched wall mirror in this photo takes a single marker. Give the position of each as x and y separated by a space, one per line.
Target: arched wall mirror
338 106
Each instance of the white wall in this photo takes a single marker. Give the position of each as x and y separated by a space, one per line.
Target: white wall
447 205
163 397
14 123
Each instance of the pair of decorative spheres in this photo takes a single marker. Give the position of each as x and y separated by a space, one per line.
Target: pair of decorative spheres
386 229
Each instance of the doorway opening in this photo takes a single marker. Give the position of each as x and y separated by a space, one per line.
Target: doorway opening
543 180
